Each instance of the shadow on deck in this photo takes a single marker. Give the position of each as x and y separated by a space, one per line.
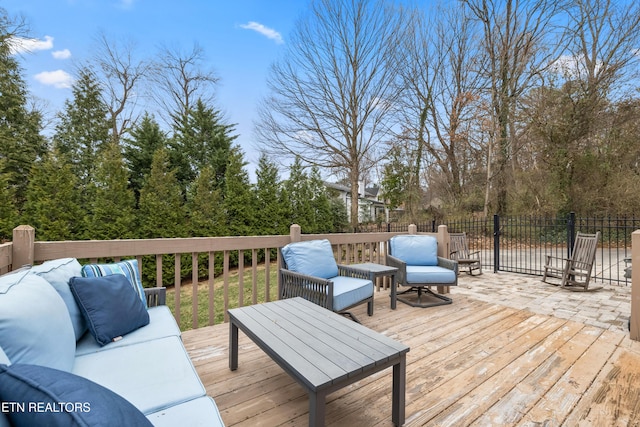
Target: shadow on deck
510 350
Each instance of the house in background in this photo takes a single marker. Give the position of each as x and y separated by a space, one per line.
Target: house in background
370 207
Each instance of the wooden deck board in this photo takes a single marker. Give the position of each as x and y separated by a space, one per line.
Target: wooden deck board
470 363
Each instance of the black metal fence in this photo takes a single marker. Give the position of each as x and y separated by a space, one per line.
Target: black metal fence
520 244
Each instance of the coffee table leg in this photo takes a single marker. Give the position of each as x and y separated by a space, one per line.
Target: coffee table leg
233 346
317 404
399 385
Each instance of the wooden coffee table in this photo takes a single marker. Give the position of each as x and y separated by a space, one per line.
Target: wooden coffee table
321 350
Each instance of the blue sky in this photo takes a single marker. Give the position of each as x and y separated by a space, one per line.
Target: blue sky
240 39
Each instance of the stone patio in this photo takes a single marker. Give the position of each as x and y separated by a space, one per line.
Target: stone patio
607 308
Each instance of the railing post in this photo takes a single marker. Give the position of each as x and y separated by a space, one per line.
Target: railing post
412 229
24 237
496 243
295 232
634 322
444 242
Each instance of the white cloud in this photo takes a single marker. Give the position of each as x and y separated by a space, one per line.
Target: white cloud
59 79
265 31
22 45
61 54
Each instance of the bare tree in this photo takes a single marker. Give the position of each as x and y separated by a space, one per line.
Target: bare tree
122 75
442 87
515 40
179 81
332 92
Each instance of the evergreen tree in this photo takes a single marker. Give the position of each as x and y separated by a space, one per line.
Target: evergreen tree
321 205
20 140
238 201
300 197
204 140
53 202
8 210
271 211
203 205
161 211
112 214
146 139
83 129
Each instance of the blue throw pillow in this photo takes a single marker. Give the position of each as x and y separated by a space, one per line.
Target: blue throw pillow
41 396
128 268
109 305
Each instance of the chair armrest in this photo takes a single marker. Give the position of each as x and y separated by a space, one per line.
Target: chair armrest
314 289
401 275
345 270
155 296
448 264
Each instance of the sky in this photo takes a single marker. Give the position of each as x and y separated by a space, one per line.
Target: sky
240 40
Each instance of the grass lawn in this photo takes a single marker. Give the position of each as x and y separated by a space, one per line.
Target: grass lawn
186 294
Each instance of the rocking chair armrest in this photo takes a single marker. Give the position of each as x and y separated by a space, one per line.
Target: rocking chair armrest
471 254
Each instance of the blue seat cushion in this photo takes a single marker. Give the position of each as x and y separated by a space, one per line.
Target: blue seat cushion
415 249
44 396
197 412
419 274
313 258
161 324
348 291
152 375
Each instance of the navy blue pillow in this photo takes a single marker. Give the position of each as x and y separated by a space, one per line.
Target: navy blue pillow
41 396
110 306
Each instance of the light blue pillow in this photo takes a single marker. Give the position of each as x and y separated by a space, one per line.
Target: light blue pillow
313 258
415 249
58 398
110 306
35 326
129 268
58 272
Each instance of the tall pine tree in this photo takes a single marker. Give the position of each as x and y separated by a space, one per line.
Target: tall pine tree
53 201
112 207
238 199
146 139
83 129
271 210
20 140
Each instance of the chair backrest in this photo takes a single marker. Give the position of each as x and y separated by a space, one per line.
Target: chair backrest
414 249
458 245
584 251
313 258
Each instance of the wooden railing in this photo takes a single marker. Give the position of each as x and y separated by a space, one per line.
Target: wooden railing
349 249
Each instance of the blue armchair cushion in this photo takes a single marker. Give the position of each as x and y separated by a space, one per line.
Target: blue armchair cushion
420 274
128 268
348 291
58 272
415 249
35 326
313 258
109 305
42 396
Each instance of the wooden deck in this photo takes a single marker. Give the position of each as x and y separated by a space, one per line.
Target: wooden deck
470 363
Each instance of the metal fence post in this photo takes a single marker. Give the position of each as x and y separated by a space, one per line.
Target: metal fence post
496 243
